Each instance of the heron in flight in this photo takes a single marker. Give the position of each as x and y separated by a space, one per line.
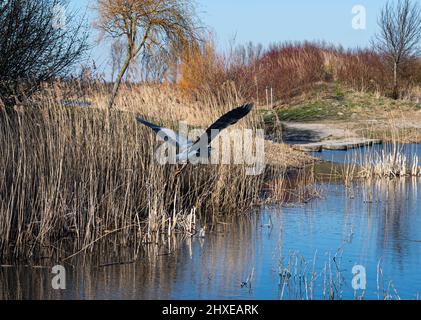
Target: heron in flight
187 148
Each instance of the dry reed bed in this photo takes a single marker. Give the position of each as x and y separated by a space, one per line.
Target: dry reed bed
72 177
391 165
390 162
163 102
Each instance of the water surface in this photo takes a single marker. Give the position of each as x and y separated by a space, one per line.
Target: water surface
297 252
360 155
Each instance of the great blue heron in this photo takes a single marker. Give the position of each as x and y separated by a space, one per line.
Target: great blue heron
187 148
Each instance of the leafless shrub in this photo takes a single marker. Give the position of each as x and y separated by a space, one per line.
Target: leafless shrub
34 47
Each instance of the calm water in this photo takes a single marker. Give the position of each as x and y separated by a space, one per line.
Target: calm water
359 155
375 225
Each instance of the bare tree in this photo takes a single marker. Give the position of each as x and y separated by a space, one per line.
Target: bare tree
117 52
399 38
40 41
148 27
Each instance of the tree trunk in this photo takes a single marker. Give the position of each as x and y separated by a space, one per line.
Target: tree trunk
395 81
117 82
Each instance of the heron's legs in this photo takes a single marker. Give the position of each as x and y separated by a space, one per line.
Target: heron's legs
179 171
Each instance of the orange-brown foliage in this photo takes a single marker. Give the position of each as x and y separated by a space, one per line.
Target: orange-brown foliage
291 69
201 69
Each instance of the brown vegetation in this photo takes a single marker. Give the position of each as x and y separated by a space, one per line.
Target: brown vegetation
36 46
291 69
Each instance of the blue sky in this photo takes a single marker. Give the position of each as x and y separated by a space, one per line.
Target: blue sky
268 21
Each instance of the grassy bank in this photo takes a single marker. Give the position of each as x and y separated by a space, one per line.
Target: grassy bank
364 114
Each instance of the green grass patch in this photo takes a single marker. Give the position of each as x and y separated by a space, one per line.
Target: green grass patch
313 111
336 103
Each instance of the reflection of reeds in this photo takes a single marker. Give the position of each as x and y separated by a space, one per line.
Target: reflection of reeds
293 187
299 280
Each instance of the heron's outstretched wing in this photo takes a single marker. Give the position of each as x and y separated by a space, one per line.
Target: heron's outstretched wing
225 121
173 138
